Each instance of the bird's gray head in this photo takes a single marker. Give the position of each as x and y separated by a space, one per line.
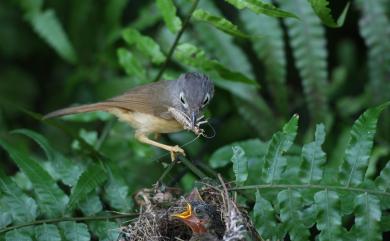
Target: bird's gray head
193 91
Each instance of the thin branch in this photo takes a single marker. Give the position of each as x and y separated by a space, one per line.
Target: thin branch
64 219
166 171
192 167
309 186
176 41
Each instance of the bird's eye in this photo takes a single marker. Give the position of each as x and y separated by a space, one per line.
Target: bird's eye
206 100
182 99
198 212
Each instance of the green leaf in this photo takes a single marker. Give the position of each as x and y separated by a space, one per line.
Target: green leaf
47 25
274 161
359 148
367 218
88 181
270 49
73 231
144 44
18 235
320 7
5 216
264 219
219 22
329 215
51 199
61 166
240 164
117 194
47 232
191 55
314 158
168 11
290 202
308 43
383 180
261 7
22 208
130 63
104 230
91 204
31 5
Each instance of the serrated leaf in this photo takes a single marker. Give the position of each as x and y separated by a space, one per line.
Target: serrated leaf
117 194
329 216
367 218
144 44
51 199
18 235
308 43
88 181
191 55
270 49
47 232
73 231
240 165
219 22
5 216
290 203
168 11
261 7
274 161
61 167
91 204
47 25
313 158
359 148
383 180
130 63
104 230
322 10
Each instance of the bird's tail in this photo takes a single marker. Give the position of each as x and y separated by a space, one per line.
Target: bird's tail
78 109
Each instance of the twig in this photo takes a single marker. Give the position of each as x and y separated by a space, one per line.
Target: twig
192 167
64 219
106 130
176 41
166 171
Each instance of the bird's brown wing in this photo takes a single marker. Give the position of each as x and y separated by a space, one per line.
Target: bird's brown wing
149 99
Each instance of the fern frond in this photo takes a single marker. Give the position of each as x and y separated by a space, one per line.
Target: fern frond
307 40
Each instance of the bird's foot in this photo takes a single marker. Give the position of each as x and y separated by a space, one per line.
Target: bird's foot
175 151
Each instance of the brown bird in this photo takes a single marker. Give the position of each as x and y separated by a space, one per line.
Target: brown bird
160 107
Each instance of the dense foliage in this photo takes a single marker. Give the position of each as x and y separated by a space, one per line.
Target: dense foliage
301 113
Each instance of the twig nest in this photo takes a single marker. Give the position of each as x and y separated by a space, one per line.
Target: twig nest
157 222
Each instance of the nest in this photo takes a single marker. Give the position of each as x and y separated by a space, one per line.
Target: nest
155 221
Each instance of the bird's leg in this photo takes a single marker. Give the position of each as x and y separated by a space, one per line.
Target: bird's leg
174 150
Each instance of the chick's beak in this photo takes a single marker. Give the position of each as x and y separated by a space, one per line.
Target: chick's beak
191 220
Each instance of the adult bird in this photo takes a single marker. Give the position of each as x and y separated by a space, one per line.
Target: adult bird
160 107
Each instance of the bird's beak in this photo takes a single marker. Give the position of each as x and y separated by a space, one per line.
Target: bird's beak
191 220
193 119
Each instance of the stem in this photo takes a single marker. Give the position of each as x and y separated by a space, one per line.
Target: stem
176 41
192 167
58 220
311 186
166 171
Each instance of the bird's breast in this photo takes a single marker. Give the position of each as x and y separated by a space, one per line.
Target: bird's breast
147 123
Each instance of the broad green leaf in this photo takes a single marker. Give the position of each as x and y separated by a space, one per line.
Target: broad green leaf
274 161
91 204
130 63
104 230
359 148
88 181
18 235
60 166
240 164
290 203
308 42
264 219
367 218
383 180
261 7
22 208
322 10
329 215
144 44
219 22
270 49
47 232
168 11
51 199
47 25
314 158
5 216
117 194
191 55
73 231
